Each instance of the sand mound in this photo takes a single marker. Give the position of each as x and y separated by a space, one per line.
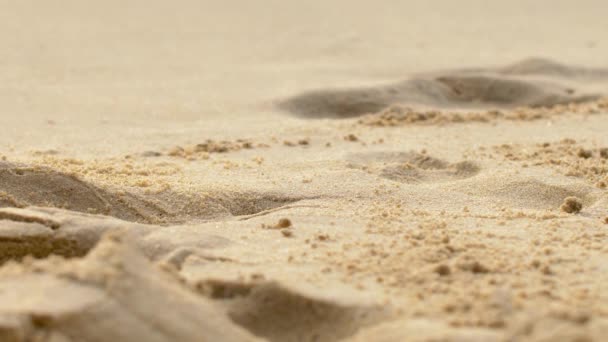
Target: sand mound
114 294
22 186
412 167
280 313
40 232
470 89
505 92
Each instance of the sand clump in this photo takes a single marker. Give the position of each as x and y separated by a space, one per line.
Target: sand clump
128 172
567 156
443 270
572 205
301 142
203 150
398 115
284 223
351 137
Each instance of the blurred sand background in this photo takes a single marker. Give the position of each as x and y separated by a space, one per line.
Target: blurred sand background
243 219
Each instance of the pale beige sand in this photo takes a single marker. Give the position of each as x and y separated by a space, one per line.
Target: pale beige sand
303 171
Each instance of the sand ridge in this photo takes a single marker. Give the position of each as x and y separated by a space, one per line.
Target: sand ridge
469 89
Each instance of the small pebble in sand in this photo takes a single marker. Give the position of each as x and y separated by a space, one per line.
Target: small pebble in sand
572 205
351 137
322 237
477 267
583 153
286 232
443 270
284 223
606 220
546 270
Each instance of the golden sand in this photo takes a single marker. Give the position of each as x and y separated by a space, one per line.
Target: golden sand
311 171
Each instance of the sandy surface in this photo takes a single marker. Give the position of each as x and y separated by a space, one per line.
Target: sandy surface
310 171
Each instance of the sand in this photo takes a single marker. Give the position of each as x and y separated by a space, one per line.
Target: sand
310 171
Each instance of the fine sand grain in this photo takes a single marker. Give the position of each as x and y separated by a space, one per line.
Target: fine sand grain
303 171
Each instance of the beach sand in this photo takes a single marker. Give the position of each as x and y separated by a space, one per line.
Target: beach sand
303 171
